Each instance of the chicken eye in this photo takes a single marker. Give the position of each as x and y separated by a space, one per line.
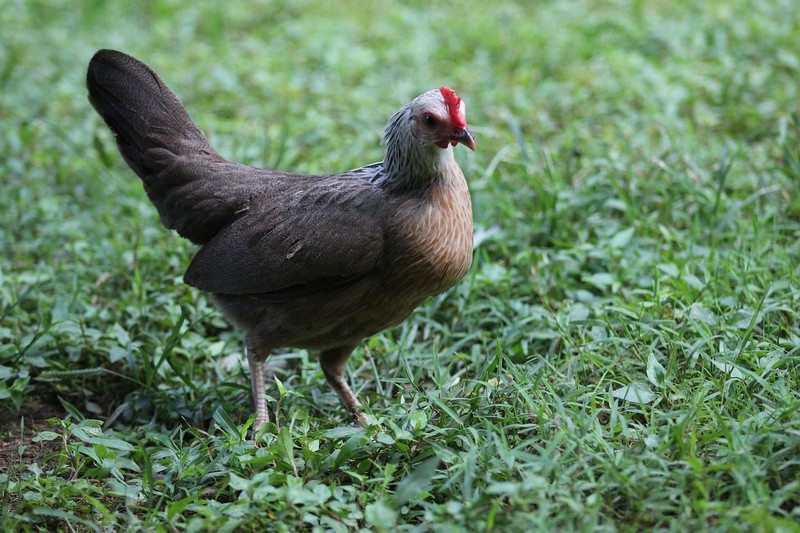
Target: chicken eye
430 120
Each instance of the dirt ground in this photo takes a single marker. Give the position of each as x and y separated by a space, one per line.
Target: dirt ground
17 430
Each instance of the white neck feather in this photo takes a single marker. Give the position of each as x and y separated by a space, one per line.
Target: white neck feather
409 164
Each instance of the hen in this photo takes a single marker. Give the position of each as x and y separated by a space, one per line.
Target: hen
317 262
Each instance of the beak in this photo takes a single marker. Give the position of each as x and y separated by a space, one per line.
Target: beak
464 137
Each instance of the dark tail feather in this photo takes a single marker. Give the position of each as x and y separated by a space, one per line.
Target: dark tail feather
142 111
161 144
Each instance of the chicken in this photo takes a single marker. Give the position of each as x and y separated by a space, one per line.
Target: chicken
316 262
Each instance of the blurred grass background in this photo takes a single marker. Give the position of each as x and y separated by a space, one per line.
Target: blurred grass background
622 356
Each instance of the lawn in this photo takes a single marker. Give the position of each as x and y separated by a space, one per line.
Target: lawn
623 355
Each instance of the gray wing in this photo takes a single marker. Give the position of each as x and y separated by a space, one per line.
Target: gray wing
300 233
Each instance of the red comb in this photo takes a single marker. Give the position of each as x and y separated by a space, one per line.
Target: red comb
454 107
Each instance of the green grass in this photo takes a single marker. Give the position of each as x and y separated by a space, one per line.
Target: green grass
624 354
